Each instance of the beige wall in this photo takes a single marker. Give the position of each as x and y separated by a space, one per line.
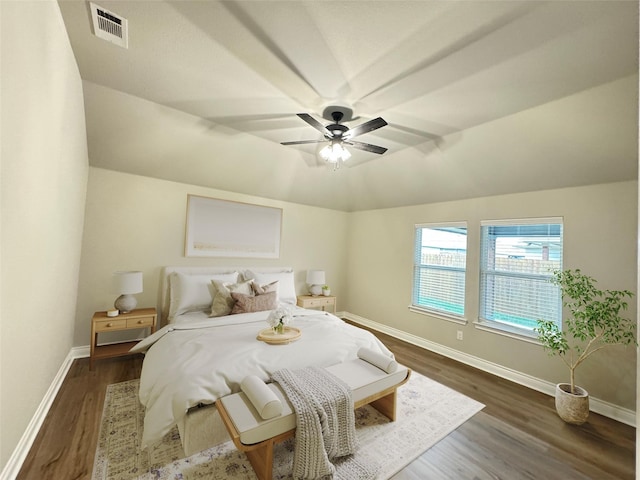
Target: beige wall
138 223
600 229
43 183
135 222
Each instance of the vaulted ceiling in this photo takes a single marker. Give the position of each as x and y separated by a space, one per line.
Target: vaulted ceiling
481 98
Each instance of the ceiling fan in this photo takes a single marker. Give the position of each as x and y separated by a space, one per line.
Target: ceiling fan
339 135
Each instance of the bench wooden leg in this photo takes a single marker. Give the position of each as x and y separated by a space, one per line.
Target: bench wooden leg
386 405
384 401
261 459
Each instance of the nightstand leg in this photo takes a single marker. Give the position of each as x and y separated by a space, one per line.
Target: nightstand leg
93 348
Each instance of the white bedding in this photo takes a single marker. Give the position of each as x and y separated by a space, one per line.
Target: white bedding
199 361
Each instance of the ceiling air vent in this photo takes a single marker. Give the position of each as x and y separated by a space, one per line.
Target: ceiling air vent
109 26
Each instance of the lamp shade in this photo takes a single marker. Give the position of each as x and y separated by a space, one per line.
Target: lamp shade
127 282
315 277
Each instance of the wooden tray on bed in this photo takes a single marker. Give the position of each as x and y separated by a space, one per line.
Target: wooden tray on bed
290 334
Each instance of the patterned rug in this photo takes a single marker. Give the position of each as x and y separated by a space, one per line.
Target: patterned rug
427 411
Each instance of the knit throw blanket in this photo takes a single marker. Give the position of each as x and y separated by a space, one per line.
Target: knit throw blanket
325 433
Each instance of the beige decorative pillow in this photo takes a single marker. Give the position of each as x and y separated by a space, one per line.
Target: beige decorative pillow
262 289
193 293
223 302
253 303
286 286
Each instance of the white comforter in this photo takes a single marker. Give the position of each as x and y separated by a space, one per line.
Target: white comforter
200 361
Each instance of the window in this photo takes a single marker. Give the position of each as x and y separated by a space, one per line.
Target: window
439 268
517 258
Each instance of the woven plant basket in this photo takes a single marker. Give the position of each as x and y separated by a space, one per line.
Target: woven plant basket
572 407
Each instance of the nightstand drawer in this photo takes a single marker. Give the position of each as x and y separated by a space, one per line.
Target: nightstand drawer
115 324
309 301
140 322
318 302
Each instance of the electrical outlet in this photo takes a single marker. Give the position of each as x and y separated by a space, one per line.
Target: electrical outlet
459 335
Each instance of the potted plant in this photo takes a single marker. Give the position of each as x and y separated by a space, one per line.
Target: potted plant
326 291
595 322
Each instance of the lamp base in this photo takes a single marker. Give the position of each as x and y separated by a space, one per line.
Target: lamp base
315 290
125 303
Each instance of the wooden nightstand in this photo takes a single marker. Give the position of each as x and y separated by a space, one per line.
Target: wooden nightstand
100 323
309 301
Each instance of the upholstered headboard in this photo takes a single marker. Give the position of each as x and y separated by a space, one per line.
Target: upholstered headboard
165 275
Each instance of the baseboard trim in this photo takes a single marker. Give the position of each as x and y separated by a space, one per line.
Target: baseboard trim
82 352
14 464
596 405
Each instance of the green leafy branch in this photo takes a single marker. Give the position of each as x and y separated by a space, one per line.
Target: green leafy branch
595 321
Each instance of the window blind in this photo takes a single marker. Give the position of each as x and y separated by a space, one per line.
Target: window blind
440 258
517 259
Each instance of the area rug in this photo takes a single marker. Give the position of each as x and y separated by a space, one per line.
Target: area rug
426 412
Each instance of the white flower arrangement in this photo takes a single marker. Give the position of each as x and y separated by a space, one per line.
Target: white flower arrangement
280 317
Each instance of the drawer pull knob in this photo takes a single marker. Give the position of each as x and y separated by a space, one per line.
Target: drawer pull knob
109 324
140 321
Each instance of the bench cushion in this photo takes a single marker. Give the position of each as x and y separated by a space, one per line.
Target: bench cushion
364 379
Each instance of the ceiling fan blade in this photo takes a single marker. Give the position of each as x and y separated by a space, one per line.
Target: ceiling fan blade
315 124
367 147
302 142
365 127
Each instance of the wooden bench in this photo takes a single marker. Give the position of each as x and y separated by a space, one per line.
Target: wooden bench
257 437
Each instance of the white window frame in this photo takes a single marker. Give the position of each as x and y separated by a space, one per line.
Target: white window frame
487 273
418 266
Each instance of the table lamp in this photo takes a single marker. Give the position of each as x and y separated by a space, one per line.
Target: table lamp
126 284
315 280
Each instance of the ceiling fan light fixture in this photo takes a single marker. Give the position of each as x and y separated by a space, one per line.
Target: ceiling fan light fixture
335 153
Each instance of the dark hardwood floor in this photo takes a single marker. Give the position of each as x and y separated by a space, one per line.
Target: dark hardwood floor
516 436
66 443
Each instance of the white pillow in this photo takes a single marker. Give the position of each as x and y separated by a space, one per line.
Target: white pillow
286 284
192 293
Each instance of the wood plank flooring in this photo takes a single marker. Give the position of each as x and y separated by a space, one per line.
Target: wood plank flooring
66 443
517 436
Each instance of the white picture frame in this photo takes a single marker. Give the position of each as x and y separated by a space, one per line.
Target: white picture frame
223 228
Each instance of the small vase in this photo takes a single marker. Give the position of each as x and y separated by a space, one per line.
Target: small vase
278 329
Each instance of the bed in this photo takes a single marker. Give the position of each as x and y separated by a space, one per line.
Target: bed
204 351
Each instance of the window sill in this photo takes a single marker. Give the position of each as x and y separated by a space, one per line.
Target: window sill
438 315
508 331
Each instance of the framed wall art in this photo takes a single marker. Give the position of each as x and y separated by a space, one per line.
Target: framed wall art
222 228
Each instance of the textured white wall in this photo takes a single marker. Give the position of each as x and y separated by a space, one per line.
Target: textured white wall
138 223
43 183
600 237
